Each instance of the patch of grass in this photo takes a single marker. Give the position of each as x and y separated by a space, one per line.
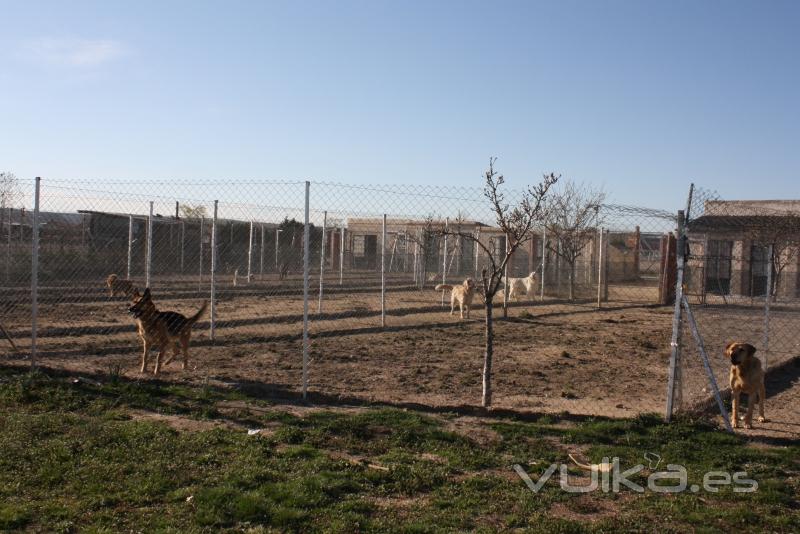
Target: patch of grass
74 458
13 516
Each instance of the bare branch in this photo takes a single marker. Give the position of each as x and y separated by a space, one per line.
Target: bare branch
10 192
514 222
574 211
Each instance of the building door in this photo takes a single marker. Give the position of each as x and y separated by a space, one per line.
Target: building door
371 251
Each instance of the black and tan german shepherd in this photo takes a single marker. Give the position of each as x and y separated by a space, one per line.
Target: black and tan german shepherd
162 330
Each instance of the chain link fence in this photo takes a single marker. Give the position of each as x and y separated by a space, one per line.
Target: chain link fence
742 284
344 308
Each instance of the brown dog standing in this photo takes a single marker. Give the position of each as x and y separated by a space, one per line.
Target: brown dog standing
162 330
747 376
462 293
118 285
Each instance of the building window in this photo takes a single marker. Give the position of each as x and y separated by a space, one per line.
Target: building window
718 267
358 246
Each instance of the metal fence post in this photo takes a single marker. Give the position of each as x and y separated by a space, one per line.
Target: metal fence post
8 245
477 251
261 250
341 256
415 268
544 258
444 255
675 343
250 255
383 273
605 265
322 261
35 271
558 268
305 293
600 268
130 245
506 288
183 243
200 271
277 240
149 254
406 257
766 307
213 314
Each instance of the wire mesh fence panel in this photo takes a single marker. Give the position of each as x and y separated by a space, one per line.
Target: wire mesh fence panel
584 328
743 285
15 241
550 356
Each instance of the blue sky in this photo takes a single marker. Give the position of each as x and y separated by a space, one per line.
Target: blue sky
639 97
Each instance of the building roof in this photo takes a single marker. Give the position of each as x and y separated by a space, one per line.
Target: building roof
171 218
742 223
365 224
45 217
409 222
752 207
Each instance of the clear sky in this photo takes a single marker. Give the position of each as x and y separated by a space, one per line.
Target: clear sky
640 97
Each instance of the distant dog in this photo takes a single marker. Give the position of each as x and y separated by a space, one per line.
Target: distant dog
162 330
462 293
747 376
116 285
521 286
283 271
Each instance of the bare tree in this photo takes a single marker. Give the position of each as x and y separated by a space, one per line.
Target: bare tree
193 212
515 223
426 242
10 192
572 212
782 233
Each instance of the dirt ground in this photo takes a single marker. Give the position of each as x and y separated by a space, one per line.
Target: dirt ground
550 356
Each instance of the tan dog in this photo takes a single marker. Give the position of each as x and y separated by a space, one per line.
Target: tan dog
521 286
162 330
462 293
117 285
747 376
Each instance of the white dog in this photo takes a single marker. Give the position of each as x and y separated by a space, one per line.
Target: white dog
517 287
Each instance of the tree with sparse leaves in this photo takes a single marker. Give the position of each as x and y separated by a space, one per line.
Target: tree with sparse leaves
193 212
573 211
425 239
10 192
516 223
782 233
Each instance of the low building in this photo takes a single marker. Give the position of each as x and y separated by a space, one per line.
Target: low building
729 248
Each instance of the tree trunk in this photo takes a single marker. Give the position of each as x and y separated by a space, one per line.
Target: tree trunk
487 357
572 281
